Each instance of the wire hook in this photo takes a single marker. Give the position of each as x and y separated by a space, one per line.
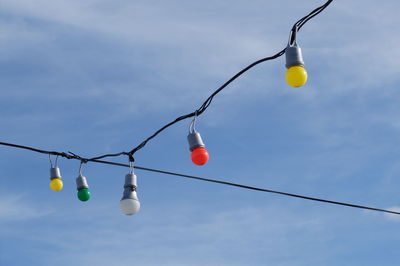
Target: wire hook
293 36
80 167
192 126
51 162
131 167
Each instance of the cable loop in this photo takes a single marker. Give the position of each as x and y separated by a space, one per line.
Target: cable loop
130 157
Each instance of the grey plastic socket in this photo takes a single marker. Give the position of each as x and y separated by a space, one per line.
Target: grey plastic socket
294 56
195 141
130 187
130 181
81 182
55 173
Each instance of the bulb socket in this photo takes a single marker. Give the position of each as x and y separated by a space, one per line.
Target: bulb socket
195 141
130 187
130 181
81 182
55 173
294 56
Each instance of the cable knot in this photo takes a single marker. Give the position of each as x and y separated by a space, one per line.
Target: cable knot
130 156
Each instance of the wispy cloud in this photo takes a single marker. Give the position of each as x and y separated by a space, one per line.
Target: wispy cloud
73 68
393 217
181 238
19 208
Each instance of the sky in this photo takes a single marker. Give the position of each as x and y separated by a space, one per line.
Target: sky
96 76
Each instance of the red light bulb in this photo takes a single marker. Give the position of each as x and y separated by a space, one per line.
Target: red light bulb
199 156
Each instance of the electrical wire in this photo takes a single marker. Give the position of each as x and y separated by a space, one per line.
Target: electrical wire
297 26
210 180
293 34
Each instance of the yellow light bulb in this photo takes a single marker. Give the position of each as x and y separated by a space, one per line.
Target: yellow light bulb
296 76
56 184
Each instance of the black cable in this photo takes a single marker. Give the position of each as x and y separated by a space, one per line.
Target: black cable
268 190
312 14
205 105
198 112
73 156
62 154
296 27
70 155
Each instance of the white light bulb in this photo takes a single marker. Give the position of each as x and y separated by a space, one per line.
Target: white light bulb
129 206
130 203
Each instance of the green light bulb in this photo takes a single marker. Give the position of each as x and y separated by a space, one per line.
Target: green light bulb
84 194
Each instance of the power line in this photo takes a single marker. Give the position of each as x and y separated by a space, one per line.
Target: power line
213 181
268 190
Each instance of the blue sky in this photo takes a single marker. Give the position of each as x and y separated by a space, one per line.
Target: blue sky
95 77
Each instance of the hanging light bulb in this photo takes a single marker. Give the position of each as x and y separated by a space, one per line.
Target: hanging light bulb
82 186
199 154
296 75
129 203
56 184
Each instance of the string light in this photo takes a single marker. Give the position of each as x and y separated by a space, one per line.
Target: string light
211 180
199 154
129 203
296 76
293 33
82 186
56 183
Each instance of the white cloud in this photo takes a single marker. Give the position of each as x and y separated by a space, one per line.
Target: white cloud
19 208
94 236
393 217
193 48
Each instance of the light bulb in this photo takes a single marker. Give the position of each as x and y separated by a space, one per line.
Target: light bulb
199 156
129 203
296 76
83 188
84 194
129 206
56 183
